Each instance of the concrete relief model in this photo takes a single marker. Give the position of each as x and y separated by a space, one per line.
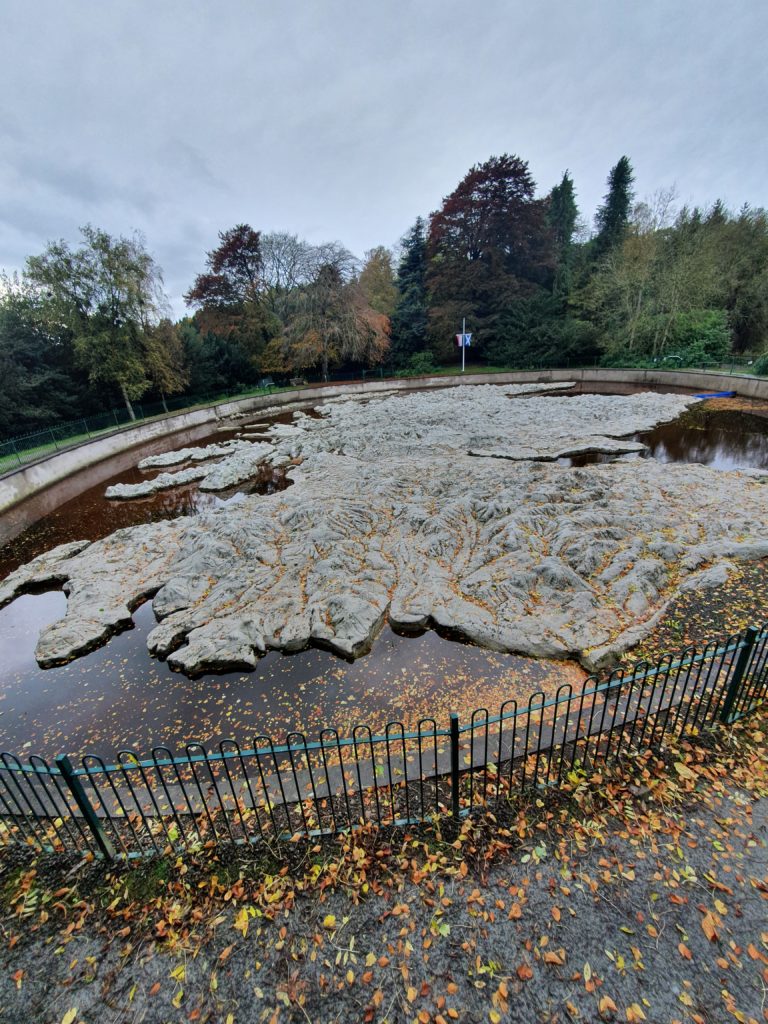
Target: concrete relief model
437 508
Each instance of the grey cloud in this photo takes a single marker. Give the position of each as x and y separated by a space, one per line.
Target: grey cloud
347 120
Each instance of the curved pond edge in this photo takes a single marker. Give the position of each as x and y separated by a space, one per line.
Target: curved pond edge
18 485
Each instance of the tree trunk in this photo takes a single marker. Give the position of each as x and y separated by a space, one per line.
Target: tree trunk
127 401
162 399
325 363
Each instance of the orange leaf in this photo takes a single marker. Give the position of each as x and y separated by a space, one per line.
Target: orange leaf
607 1005
708 926
552 958
556 913
524 972
684 951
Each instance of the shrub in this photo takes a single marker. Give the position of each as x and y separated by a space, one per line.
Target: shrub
419 363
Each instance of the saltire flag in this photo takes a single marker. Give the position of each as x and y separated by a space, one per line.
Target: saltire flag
463 340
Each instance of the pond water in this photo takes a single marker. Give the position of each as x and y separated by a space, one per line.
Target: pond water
120 697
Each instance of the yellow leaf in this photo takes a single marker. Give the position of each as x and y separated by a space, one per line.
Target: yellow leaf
494 1016
410 995
178 973
69 1016
587 971
241 922
635 1013
684 772
350 977
329 921
176 1001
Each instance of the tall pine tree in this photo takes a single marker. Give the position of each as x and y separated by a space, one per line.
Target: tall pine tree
561 217
409 319
613 216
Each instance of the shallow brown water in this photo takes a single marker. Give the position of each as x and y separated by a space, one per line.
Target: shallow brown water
120 697
709 433
712 436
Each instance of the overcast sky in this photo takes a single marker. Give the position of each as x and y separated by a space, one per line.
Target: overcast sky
346 120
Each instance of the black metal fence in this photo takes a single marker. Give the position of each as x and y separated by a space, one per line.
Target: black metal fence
26 448
18 451
138 807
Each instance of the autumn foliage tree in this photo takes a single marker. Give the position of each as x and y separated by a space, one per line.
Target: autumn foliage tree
488 246
228 295
330 321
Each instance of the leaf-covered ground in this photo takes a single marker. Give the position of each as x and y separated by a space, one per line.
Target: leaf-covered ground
636 895
700 616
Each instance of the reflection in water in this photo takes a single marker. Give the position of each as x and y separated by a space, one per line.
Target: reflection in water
713 437
118 696
705 434
91 516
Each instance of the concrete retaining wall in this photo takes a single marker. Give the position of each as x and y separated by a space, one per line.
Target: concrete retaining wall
18 485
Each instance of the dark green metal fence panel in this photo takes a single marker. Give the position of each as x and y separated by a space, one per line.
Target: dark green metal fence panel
138 807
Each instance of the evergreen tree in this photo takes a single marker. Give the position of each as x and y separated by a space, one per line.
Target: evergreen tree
409 319
41 384
612 217
561 216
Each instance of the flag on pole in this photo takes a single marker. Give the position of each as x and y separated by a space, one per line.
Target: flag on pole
463 340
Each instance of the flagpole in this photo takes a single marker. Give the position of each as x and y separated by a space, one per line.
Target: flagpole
463 340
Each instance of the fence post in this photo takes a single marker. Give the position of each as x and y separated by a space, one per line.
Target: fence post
454 764
85 424
53 438
16 451
84 805
737 677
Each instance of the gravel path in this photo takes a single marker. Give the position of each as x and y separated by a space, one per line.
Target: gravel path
652 906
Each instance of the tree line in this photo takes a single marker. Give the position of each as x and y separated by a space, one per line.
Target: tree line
88 325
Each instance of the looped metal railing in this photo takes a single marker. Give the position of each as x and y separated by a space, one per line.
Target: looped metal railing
137 807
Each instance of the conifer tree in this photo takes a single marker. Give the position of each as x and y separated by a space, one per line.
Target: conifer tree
561 216
409 319
613 216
